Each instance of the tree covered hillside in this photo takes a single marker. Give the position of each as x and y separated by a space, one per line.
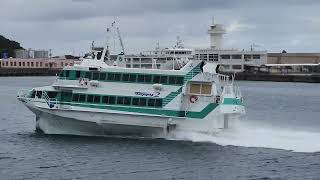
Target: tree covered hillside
6 45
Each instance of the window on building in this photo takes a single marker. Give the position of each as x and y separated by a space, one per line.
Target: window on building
11 63
31 64
37 64
19 63
23 64
225 56
40 64
256 56
247 56
7 63
28 64
236 56
62 64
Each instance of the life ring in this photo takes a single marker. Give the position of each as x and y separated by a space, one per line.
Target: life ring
193 99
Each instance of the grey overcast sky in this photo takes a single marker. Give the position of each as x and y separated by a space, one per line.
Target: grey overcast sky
68 26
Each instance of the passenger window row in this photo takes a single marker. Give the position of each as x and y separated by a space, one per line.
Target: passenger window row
123 77
119 100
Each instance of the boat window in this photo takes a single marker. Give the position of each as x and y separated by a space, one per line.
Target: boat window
39 94
95 75
206 89
97 99
102 76
132 78
147 78
117 77
66 96
156 79
195 88
105 99
140 78
200 88
93 69
125 77
142 102
151 102
164 79
111 76
112 100
52 94
179 80
127 100
88 75
82 98
61 73
158 103
77 74
75 97
135 101
90 98
172 80
32 94
120 100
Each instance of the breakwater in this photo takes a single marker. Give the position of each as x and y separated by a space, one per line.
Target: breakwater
308 78
28 72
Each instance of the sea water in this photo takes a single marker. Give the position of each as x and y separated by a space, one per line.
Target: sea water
279 138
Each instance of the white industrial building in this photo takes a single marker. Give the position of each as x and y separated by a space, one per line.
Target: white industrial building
232 60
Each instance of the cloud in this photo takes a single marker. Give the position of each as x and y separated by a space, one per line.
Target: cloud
66 24
235 26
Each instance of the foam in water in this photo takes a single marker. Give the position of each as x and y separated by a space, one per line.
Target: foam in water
248 135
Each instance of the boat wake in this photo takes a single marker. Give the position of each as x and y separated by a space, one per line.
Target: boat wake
249 135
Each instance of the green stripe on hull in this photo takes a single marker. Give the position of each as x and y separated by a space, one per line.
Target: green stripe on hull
232 101
163 112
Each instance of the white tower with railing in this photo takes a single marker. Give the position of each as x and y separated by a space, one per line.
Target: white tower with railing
216 32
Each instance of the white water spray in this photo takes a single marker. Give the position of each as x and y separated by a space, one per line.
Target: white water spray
248 135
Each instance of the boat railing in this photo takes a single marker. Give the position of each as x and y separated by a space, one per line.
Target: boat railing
23 93
51 102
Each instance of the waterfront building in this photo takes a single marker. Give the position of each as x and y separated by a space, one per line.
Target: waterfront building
231 60
31 54
37 63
